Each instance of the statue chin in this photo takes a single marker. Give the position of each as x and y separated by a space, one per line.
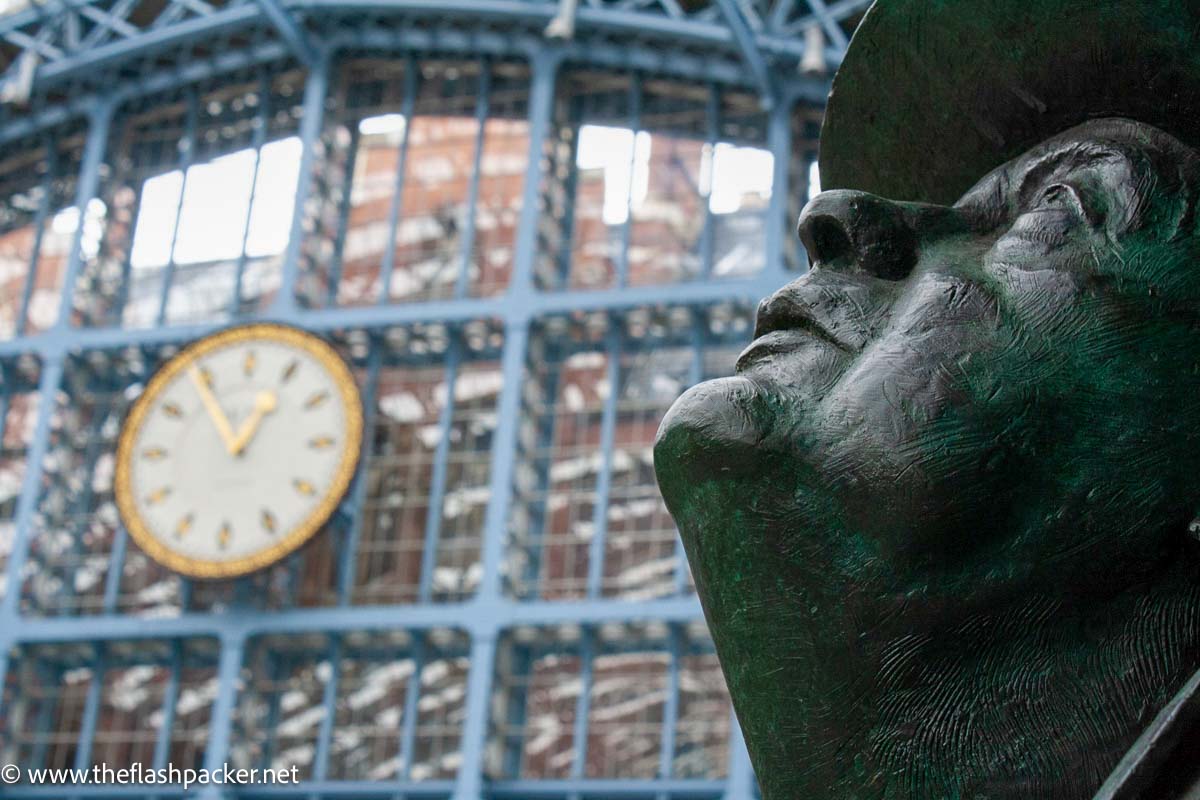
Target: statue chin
713 430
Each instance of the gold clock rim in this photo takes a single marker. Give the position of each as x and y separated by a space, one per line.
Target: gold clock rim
351 400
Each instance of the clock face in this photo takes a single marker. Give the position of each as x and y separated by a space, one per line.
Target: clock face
239 450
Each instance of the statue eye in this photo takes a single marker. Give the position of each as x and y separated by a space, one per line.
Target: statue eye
1065 196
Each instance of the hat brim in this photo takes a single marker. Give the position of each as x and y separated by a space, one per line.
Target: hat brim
934 94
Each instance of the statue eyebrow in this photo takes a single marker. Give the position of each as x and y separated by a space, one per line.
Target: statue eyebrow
1085 155
992 202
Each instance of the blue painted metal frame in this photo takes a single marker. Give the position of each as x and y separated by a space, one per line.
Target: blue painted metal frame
741 50
772 35
289 30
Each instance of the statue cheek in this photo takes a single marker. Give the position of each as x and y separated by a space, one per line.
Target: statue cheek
1053 272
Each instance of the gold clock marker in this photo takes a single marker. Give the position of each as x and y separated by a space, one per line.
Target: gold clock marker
249 364
316 400
290 371
268 521
158 495
184 525
172 410
304 487
154 453
321 443
223 535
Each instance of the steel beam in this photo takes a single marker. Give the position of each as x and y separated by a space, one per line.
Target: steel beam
608 431
310 130
528 305
162 741
437 480
91 710
290 31
751 51
11 623
40 219
469 785
89 182
346 203
837 11
583 705
348 558
779 142
662 61
187 155
482 107
174 30
494 614
408 720
388 265
666 753
262 124
828 23
635 124
220 728
329 695
712 132
739 785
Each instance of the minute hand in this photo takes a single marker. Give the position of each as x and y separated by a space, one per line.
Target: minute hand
213 408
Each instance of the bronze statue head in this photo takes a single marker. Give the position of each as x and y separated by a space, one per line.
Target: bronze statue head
940 520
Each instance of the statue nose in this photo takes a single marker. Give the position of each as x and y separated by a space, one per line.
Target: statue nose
858 232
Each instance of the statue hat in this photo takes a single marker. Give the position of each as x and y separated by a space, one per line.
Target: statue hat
934 94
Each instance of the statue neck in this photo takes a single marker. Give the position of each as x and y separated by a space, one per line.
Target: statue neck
1049 693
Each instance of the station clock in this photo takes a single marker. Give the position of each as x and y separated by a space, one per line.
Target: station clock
238 450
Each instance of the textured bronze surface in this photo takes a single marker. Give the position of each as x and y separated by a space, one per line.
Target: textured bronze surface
939 519
934 94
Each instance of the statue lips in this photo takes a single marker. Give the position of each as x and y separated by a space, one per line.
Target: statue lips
785 322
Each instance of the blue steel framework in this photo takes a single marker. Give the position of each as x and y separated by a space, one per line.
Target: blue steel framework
76 69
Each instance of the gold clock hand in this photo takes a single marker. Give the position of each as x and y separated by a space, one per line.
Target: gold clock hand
264 403
213 408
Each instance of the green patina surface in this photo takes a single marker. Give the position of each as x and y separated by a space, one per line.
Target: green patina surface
939 519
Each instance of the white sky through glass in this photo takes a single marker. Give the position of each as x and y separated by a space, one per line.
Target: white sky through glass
217 195
216 201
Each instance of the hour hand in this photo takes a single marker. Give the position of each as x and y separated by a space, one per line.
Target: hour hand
214 409
264 403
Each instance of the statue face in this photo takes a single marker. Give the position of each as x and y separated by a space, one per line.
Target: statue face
958 407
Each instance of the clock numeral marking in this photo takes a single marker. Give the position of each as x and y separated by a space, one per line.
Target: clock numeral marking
268 521
172 410
223 535
207 376
249 364
290 371
321 443
154 454
184 525
158 495
316 400
304 487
